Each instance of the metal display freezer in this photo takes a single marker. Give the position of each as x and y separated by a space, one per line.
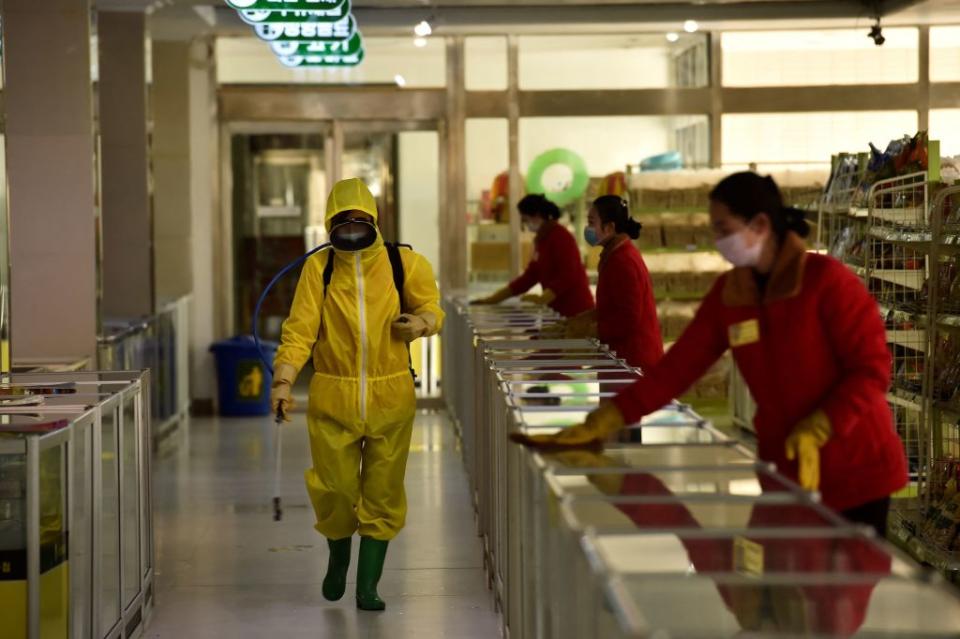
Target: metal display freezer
75 487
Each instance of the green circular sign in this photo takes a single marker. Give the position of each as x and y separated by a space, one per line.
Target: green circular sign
563 157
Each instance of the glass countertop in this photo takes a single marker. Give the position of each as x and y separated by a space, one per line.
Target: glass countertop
611 514
748 480
696 606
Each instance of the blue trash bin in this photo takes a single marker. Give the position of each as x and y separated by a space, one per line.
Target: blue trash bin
242 379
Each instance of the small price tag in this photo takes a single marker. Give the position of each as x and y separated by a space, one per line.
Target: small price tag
747 557
743 333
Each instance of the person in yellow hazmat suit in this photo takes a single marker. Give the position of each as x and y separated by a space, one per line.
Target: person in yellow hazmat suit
348 314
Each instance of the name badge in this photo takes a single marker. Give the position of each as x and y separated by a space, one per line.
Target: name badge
744 333
747 557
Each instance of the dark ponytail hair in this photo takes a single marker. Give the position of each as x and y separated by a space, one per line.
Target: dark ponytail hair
537 205
613 209
748 194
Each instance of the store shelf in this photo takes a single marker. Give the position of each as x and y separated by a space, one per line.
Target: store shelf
907 278
909 216
901 236
905 398
913 339
905 532
856 211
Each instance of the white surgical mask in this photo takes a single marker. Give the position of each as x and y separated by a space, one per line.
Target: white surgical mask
735 250
534 227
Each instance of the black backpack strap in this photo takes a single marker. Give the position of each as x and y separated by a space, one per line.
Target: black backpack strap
328 272
396 264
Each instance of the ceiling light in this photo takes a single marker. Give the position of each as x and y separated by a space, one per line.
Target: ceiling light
673 36
419 42
423 29
691 26
400 80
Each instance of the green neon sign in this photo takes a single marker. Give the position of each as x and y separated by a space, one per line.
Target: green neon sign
266 16
332 60
322 47
343 29
274 5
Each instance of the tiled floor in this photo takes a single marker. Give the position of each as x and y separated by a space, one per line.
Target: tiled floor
226 569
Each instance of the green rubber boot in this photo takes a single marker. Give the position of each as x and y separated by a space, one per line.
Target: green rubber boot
369 568
335 583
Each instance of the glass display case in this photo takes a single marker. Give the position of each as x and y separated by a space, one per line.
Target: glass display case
75 505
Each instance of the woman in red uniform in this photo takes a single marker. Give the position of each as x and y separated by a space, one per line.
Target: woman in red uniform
626 315
556 265
811 345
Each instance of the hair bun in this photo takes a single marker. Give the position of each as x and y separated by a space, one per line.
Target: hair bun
796 221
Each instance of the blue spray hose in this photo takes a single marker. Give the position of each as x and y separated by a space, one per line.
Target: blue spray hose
276 278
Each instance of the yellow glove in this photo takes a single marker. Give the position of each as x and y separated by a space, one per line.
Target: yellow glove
281 391
582 326
409 327
500 296
543 300
804 444
599 426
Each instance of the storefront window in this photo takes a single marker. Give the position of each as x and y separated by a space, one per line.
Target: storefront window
944 54
944 124
645 61
249 60
486 63
802 58
807 140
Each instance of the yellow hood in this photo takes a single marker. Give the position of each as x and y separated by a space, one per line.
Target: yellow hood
350 195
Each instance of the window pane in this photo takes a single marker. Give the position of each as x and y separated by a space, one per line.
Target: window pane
612 62
488 155
944 124
610 144
797 58
944 54
250 60
807 140
486 63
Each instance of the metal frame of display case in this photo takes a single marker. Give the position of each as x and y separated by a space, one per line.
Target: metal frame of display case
86 411
535 556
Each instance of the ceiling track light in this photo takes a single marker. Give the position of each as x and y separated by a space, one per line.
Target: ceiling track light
876 33
673 36
423 29
691 26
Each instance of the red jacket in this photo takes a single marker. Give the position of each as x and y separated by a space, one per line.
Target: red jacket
626 309
557 266
816 341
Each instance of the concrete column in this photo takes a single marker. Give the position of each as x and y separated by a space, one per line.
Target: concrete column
172 171
716 99
517 188
52 177
185 161
127 257
453 220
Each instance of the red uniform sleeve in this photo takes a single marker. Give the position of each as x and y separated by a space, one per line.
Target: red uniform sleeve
704 341
858 339
528 279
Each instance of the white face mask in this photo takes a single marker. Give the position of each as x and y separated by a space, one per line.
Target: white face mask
533 227
735 250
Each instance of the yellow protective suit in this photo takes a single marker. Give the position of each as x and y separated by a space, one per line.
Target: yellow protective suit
362 401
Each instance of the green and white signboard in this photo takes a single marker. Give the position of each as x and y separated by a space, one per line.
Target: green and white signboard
282 16
305 33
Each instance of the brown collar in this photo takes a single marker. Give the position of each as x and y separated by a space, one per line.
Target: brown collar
617 241
545 229
740 288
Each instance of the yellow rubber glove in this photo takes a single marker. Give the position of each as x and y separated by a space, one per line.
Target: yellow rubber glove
543 300
582 326
598 427
409 327
281 391
804 444
500 296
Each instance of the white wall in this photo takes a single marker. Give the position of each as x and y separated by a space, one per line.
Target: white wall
594 62
249 60
945 126
485 63
944 54
419 192
791 58
771 138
